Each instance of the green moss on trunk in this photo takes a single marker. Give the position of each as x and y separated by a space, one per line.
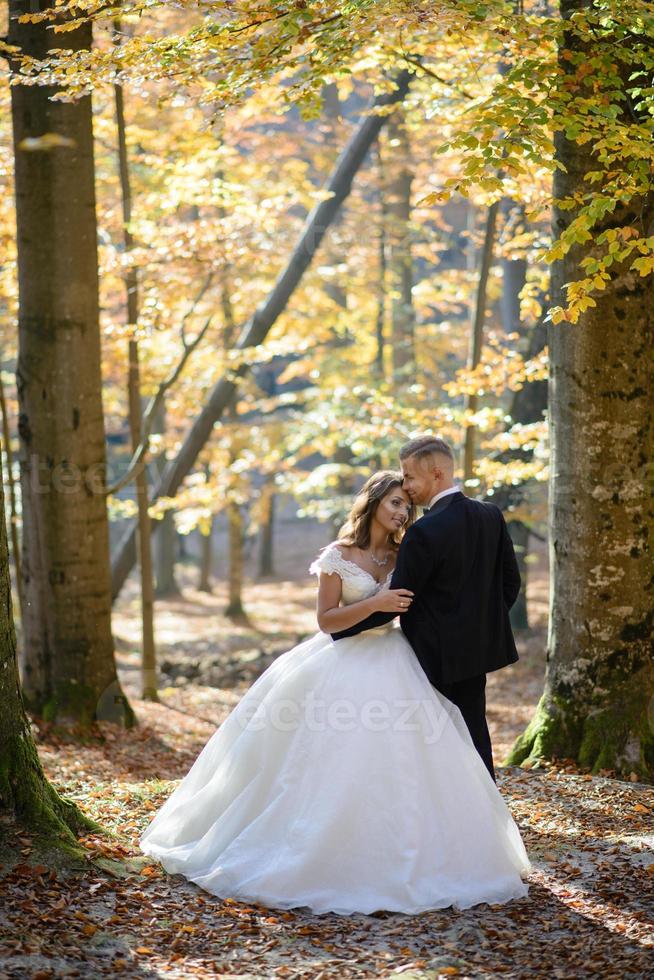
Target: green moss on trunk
80 705
27 800
32 803
616 735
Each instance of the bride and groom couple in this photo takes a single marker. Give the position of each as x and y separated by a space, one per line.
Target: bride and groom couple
385 798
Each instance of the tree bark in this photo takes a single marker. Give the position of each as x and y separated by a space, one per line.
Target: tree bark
148 652
148 655
380 319
266 553
166 556
333 248
528 405
235 608
514 277
258 327
600 673
206 556
399 177
166 540
13 509
69 670
476 340
27 800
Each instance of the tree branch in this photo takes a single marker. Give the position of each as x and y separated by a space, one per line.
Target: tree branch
257 328
155 402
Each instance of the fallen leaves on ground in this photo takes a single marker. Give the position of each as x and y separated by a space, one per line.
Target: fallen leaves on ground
588 914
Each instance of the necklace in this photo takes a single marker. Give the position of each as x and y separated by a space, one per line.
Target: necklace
377 562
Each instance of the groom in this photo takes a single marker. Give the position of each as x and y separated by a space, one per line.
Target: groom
459 562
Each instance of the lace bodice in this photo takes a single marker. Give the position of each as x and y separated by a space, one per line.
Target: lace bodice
357 582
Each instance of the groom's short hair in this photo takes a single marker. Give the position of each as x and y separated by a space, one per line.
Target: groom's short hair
425 446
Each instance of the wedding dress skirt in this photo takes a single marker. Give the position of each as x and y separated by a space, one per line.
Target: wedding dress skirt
343 781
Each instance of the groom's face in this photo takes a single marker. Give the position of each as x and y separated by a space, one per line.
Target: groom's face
419 479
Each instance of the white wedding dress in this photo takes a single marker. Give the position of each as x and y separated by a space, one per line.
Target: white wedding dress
343 781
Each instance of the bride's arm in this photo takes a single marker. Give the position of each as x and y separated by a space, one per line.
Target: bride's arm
333 617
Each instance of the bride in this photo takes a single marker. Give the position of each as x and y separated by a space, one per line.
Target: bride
342 780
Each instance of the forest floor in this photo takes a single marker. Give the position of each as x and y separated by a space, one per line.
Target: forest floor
590 840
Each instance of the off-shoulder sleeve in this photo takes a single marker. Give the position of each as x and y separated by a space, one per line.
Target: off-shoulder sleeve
329 560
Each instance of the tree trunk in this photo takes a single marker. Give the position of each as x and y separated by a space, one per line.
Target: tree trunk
399 178
528 405
166 539
13 509
514 277
166 556
27 800
206 556
235 608
519 533
476 340
600 675
258 327
69 669
148 652
266 562
380 319
148 655
333 248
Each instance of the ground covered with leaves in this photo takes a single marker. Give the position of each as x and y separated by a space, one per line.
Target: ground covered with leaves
590 839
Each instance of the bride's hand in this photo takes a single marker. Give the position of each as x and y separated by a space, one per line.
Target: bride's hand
393 600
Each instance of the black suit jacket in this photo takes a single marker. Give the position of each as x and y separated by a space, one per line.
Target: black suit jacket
459 561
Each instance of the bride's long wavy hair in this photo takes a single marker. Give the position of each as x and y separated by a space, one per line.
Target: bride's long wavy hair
356 530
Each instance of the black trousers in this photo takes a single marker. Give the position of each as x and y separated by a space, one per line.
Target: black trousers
470 698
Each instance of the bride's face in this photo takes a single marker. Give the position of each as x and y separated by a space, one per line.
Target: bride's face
393 510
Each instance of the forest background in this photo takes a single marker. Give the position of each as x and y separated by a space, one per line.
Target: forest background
247 251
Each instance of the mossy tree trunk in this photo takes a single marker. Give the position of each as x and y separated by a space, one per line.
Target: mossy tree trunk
69 670
599 685
27 800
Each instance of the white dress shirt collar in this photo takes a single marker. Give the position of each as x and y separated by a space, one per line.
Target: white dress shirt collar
443 493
